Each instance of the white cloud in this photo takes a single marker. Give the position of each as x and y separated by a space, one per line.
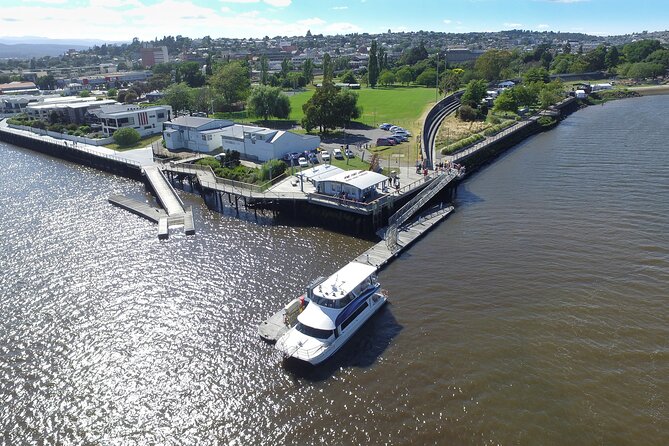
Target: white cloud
512 25
543 26
342 28
240 1
448 21
565 1
315 21
339 8
278 3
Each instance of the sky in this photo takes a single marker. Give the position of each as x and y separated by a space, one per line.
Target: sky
121 20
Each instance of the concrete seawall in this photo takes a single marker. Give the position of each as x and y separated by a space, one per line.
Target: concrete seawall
69 153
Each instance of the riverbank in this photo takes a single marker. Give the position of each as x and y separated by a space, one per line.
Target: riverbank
651 90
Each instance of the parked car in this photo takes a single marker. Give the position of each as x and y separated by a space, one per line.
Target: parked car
302 161
313 159
395 128
385 126
385 142
402 133
397 139
337 154
325 155
349 153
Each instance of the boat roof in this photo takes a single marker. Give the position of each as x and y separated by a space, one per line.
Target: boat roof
344 281
319 317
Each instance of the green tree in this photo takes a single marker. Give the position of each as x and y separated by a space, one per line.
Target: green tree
373 66
264 70
308 70
286 67
536 74
491 63
329 108
612 58
506 102
451 80
405 75
638 51
660 57
427 78
387 78
47 82
126 136
202 99
85 93
232 82
179 97
548 97
474 93
191 73
348 77
130 96
112 93
527 95
596 59
328 68
266 101
644 70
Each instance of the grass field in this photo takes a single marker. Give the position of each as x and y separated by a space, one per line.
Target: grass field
402 106
139 145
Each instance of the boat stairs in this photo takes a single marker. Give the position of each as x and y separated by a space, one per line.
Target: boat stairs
405 227
173 212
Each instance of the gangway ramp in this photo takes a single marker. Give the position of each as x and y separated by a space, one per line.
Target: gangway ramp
165 193
414 205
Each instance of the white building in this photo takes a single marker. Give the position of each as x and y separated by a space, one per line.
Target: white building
14 104
253 143
71 109
262 144
147 121
194 134
356 185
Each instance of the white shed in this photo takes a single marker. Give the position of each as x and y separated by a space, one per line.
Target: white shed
358 185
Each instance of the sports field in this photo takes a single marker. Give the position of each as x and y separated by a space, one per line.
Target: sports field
402 106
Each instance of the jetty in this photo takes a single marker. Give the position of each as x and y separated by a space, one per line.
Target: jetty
177 214
405 227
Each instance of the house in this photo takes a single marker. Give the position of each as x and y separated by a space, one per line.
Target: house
147 121
506 84
194 133
261 144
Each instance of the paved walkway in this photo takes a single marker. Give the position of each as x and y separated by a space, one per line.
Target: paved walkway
140 157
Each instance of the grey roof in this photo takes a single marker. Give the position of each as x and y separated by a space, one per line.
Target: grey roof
192 121
360 179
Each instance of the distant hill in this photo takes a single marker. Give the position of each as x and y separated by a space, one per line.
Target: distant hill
28 46
30 50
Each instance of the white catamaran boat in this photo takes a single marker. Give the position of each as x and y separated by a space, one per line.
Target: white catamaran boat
336 307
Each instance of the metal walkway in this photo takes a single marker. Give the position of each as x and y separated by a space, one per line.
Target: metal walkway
414 205
176 212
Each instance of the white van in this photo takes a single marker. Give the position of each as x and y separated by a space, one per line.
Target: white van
337 154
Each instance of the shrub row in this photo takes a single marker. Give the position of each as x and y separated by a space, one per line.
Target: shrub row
462 144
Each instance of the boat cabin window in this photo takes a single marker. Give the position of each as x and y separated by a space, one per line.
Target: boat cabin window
313 332
332 303
353 315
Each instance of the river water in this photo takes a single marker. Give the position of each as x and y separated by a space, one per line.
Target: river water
538 313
